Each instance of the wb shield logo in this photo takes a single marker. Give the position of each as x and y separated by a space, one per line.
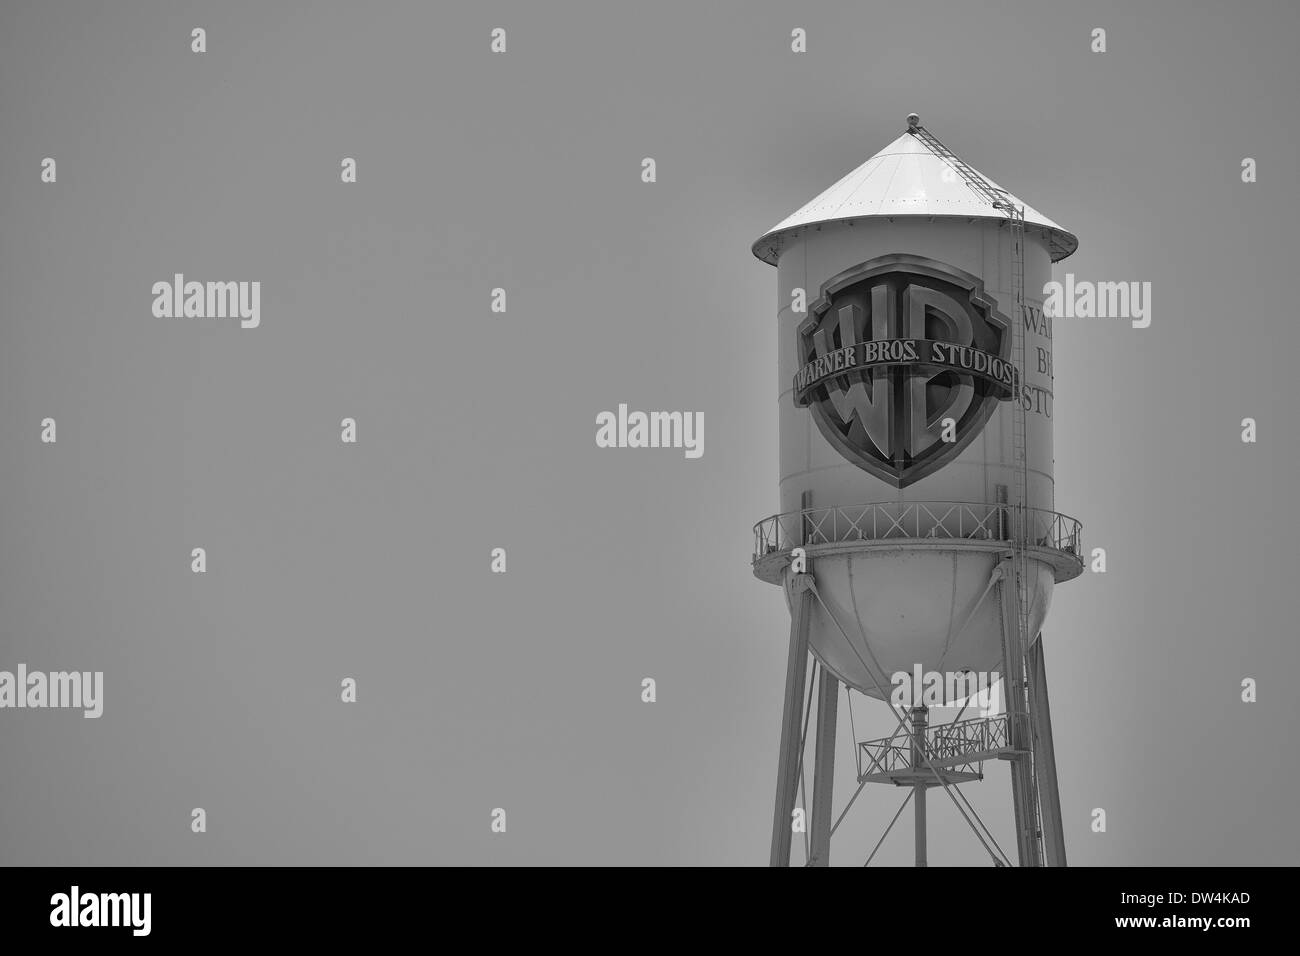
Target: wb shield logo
892 348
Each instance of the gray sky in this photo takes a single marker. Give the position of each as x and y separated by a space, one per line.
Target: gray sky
476 430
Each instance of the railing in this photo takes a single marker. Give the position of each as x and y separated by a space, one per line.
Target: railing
961 747
975 735
884 756
887 759
916 520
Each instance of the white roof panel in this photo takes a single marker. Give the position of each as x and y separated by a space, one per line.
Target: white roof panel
905 179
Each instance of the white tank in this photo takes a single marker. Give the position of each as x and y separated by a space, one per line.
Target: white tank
895 386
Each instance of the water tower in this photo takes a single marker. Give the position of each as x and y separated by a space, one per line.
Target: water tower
918 530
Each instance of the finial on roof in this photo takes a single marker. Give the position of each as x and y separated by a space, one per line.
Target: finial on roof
913 121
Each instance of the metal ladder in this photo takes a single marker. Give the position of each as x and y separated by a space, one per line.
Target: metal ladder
995 196
1017 703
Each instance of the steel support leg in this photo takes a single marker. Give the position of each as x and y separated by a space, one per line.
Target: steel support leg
796 673
828 702
920 717
1049 795
1024 797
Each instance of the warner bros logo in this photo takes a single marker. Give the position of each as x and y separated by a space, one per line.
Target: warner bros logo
891 349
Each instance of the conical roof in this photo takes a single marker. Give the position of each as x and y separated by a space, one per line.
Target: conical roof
906 178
